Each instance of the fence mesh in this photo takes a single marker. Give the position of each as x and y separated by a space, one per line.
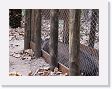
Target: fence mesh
89 23
89 38
89 31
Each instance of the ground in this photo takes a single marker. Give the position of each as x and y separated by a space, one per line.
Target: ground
23 62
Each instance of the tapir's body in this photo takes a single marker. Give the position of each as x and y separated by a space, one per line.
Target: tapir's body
89 64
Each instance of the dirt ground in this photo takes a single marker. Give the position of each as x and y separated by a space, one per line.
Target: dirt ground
23 62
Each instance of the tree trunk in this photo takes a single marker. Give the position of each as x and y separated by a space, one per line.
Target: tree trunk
27 36
74 42
54 39
93 28
37 33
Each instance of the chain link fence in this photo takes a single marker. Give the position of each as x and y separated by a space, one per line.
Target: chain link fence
89 38
89 32
89 26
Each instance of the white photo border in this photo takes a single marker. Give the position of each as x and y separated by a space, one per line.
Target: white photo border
102 79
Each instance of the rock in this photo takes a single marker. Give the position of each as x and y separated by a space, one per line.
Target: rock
16 45
29 51
45 73
11 54
10 38
30 73
21 52
51 73
66 74
23 58
16 55
28 57
40 70
40 73
21 33
46 68
58 73
15 73
55 70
